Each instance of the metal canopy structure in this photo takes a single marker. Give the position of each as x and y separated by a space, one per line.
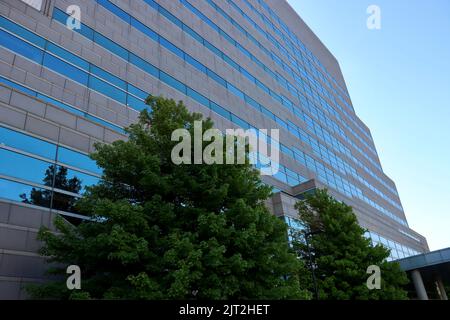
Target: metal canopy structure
428 268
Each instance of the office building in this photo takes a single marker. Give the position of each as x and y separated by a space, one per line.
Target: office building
65 84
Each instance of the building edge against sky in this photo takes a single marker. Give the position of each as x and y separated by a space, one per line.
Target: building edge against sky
244 63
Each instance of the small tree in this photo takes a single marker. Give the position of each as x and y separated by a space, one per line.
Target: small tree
341 254
166 231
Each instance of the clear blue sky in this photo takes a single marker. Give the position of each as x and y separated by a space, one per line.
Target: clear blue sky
399 81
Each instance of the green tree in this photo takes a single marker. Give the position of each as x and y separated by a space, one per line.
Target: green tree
341 254
165 231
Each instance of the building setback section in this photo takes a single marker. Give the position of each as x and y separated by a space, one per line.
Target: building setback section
243 63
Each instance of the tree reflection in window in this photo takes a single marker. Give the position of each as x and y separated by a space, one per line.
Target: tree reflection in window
55 177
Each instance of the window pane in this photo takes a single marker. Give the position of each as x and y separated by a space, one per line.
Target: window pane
73 181
65 69
24 193
137 92
20 47
78 160
23 167
27 143
61 105
107 89
61 17
171 47
144 65
116 10
213 48
22 32
17 86
136 103
144 29
235 91
241 123
192 33
108 77
64 202
218 109
169 16
66 55
171 81
195 63
217 78
111 45
198 97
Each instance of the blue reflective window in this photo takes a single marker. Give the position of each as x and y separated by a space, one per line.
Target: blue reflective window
68 56
286 150
195 63
60 104
144 65
235 91
137 92
198 97
65 69
171 81
169 16
216 78
17 86
267 113
262 86
280 176
61 17
20 47
111 45
243 50
252 102
171 47
227 37
116 10
22 32
22 167
231 62
136 103
108 77
248 75
281 122
292 181
107 89
144 29
213 48
276 96
153 4
77 160
241 123
218 109
20 192
27 143
192 33
105 123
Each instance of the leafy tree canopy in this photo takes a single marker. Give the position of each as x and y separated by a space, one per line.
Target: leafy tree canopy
165 231
341 253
